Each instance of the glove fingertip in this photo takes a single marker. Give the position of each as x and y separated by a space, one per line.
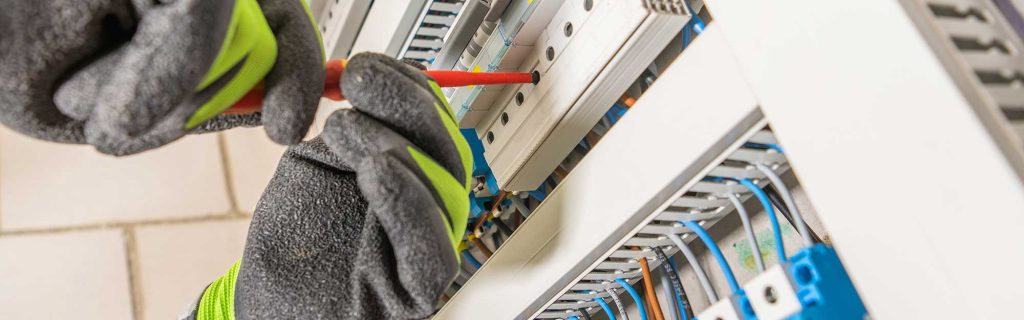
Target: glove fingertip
340 137
371 79
286 131
289 108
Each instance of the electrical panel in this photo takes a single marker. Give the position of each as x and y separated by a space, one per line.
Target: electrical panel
715 159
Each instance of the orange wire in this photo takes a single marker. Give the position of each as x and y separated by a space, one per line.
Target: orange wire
592 138
480 245
561 173
487 215
627 100
652 298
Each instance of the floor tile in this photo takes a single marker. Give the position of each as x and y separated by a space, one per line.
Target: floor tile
252 159
71 275
323 112
174 263
45 185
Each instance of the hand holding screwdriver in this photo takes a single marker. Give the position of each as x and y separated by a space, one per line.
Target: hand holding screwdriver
252 101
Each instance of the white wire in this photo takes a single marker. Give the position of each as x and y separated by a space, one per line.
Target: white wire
618 303
692 260
748 228
801 225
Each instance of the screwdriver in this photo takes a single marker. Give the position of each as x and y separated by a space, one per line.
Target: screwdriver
253 100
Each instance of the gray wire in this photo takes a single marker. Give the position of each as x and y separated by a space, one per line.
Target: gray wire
521 206
618 303
748 228
692 260
583 313
673 275
670 294
801 225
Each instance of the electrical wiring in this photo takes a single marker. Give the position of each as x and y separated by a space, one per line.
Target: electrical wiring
780 247
636 297
481 246
716 252
756 145
748 228
691 259
652 297
618 303
584 313
572 318
496 238
604 306
669 269
456 286
776 199
464 274
494 208
472 260
521 207
695 23
801 225
666 287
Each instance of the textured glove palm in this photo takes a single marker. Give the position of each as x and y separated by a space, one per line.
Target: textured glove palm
363 223
128 76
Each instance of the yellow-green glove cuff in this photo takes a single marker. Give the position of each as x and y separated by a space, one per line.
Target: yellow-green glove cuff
218 301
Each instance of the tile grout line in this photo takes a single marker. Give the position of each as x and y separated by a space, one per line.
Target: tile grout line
131 257
226 216
1 211
225 159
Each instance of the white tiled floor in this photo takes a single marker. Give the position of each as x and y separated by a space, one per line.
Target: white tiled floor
81 275
176 262
45 185
86 236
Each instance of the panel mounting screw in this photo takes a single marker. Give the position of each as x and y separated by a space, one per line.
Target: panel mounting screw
770 295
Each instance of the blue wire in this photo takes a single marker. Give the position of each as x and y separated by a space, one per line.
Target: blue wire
572 318
710 243
756 145
607 309
636 297
763 198
686 35
472 260
697 23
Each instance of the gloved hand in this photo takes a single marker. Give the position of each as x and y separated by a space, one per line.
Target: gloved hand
363 222
131 75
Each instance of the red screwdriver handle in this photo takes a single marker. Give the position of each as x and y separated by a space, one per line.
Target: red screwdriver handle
253 100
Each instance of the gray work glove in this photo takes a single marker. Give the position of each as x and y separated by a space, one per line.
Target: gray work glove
363 222
130 75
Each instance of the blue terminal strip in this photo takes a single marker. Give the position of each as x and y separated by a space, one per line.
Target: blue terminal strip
822 286
480 170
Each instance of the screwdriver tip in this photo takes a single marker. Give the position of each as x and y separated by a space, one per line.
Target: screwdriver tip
536 77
